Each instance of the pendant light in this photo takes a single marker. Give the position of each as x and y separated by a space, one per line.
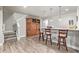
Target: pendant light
50 17
44 14
60 13
45 19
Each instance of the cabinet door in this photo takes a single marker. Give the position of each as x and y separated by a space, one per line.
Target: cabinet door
28 26
37 28
32 27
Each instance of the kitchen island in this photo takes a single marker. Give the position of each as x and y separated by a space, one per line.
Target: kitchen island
72 38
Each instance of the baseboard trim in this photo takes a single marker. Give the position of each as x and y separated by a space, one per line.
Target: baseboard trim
1 44
22 36
18 38
76 48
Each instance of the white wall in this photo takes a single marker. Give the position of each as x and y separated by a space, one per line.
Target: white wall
1 29
22 27
21 24
9 23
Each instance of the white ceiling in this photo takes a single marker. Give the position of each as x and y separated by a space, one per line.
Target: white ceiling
42 10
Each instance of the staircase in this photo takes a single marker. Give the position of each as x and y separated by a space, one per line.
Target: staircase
10 36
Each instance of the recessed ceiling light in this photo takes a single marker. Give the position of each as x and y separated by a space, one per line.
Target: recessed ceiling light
66 9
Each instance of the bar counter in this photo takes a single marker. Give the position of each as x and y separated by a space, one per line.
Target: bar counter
63 29
72 38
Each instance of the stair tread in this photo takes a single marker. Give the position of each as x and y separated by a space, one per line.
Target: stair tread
10 35
11 38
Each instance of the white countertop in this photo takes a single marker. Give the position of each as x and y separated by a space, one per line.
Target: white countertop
64 28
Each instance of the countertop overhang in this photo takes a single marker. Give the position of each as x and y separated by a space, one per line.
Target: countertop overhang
64 29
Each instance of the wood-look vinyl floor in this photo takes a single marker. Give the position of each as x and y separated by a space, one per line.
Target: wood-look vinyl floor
32 45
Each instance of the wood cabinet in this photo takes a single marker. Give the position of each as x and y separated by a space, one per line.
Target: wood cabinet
32 26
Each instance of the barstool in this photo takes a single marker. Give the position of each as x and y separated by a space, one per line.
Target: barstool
41 35
48 35
62 38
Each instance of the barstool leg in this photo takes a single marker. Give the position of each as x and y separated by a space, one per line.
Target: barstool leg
65 44
66 48
43 37
59 43
39 37
50 40
46 39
